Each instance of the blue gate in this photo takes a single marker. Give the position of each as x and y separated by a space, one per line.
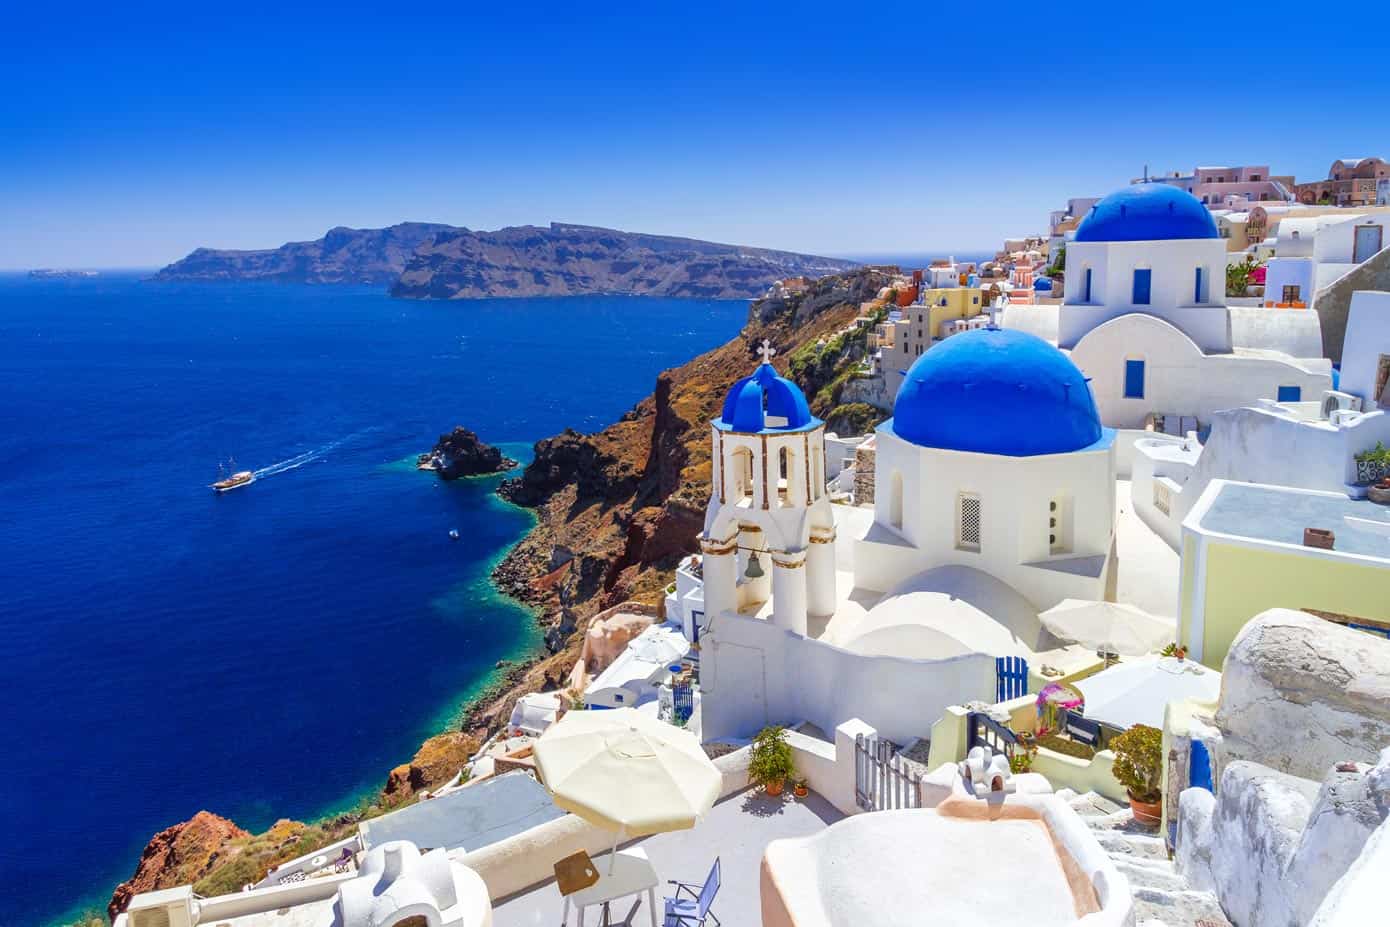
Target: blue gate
1011 678
683 701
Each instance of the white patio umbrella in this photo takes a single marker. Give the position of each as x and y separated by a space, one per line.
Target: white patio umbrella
627 772
1137 691
1109 626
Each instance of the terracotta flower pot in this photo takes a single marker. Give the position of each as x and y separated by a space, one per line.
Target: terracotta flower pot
800 791
1146 812
774 788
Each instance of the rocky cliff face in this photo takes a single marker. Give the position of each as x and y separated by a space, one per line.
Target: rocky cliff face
370 256
461 453
619 508
179 855
568 260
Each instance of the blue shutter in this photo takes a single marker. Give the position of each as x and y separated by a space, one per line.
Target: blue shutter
1143 284
1134 379
1197 287
1087 297
1290 393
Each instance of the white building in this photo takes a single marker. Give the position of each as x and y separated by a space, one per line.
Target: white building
995 499
636 675
1310 444
1313 253
1145 316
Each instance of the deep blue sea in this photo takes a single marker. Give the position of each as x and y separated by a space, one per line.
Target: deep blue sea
272 652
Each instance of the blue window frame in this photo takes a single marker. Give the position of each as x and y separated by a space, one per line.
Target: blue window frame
1143 285
1134 379
1197 286
1290 394
1086 298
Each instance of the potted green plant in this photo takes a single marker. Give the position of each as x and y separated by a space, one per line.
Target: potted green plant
799 788
1139 768
770 760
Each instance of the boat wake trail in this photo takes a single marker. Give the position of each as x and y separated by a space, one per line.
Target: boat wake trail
299 460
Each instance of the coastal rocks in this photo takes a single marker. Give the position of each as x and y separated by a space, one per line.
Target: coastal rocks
179 855
371 256
438 760
568 260
1337 678
461 453
558 634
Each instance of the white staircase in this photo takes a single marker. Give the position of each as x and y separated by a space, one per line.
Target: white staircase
1161 895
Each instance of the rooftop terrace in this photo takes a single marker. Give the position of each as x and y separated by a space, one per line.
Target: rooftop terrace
736 830
1278 515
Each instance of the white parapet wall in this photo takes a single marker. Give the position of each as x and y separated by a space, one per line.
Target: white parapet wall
754 674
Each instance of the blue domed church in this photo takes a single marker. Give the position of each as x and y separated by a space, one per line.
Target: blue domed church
1145 315
994 500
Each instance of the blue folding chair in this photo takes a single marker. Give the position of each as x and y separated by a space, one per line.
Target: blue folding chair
681 912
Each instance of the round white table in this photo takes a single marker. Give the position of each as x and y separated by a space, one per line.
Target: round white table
632 873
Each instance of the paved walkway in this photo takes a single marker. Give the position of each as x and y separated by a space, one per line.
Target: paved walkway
736 830
1148 567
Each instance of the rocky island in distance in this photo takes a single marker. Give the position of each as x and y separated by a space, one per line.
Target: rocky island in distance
419 260
462 453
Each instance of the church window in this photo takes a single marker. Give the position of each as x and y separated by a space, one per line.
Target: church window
1059 524
1290 394
1197 286
967 521
1134 379
1143 286
1086 295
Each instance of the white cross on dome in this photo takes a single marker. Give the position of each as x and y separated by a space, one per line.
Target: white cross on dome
766 350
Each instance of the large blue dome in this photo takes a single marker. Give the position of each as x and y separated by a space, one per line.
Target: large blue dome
1147 212
996 391
765 401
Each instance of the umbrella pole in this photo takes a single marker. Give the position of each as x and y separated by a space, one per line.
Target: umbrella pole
613 853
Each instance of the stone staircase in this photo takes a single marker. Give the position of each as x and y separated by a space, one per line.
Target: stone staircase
1161 895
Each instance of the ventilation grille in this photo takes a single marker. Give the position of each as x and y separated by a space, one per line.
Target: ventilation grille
969 523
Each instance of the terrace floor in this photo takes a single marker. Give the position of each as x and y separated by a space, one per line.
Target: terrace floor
736 830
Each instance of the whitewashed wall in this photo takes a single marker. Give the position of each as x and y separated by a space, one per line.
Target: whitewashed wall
1368 337
1178 377
753 674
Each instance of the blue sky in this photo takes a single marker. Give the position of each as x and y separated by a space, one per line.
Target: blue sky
130 135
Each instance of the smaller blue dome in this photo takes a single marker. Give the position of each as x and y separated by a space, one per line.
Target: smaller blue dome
1147 212
996 391
765 395
1042 284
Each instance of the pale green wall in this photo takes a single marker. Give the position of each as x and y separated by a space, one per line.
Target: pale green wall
1243 581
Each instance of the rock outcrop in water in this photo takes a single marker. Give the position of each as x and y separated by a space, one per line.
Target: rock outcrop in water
462 453
568 260
178 855
370 256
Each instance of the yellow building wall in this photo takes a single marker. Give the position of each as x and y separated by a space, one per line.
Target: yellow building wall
961 303
1242 581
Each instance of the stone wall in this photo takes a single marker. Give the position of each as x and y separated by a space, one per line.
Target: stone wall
1333 303
864 476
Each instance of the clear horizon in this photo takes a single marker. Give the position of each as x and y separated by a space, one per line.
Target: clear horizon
140 135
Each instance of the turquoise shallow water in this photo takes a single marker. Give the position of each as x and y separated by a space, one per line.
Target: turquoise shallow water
274 651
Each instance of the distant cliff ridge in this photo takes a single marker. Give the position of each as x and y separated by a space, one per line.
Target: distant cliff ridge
567 260
371 256
423 261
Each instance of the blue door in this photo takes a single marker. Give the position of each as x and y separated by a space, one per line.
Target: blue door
1143 283
1011 678
1134 379
1199 767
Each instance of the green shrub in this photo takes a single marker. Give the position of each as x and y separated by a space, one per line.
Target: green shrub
1139 761
1379 454
770 758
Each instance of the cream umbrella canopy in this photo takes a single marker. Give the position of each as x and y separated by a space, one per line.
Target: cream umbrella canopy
1110 626
627 772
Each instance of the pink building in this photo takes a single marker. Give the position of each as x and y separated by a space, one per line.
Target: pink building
1219 187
